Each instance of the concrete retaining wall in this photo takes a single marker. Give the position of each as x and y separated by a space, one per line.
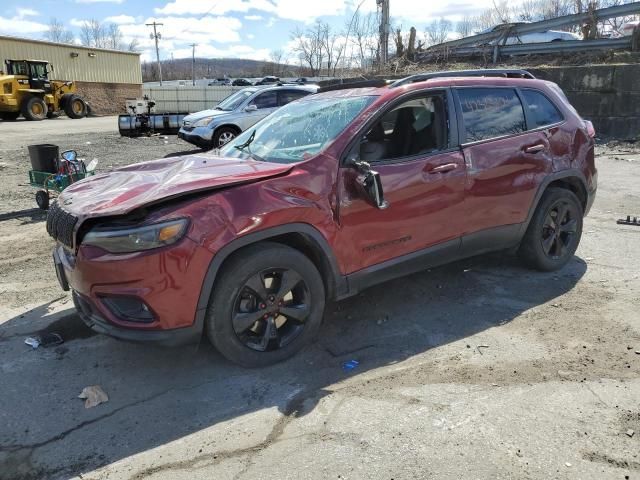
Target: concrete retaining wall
608 95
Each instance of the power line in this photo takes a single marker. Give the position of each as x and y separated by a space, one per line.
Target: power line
156 36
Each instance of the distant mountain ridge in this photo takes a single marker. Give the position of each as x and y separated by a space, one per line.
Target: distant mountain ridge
180 68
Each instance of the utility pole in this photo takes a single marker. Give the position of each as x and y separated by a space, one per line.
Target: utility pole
193 64
156 36
383 11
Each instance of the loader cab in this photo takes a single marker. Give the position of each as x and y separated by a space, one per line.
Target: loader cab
37 71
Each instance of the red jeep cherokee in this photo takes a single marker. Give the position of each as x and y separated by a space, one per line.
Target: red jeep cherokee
249 242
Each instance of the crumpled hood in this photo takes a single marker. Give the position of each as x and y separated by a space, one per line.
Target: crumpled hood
194 117
125 189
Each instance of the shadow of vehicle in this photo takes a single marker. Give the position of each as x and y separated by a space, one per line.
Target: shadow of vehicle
161 395
32 215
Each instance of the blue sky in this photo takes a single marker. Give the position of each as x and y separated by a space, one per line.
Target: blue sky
223 28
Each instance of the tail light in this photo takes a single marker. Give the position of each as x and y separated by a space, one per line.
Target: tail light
590 130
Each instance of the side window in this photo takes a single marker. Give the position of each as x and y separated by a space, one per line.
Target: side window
287 96
417 126
543 112
490 112
266 100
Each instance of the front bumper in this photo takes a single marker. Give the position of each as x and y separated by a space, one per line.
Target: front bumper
167 338
168 281
199 136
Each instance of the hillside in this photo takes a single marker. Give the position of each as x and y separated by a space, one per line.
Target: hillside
180 68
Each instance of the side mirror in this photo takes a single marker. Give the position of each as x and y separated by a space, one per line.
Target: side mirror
251 108
69 155
370 183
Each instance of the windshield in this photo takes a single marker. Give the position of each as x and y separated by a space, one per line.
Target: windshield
297 131
234 100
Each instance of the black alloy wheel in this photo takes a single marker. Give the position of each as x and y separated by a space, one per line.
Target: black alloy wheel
271 309
554 232
267 303
559 229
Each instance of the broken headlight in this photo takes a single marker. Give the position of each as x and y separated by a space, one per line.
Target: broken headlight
136 239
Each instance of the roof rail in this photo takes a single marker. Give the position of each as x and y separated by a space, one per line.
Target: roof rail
359 84
497 72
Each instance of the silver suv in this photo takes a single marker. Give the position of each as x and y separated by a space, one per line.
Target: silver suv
239 111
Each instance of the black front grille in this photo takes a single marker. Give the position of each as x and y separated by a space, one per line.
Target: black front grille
60 224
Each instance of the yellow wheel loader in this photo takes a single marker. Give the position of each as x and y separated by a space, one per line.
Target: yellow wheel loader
25 89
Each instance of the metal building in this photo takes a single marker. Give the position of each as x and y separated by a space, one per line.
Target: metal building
105 77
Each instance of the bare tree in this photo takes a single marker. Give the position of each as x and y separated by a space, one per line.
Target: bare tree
465 27
398 40
364 29
113 37
58 33
307 47
276 57
93 34
438 31
134 45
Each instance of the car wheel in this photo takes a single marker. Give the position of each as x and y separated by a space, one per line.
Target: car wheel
34 108
42 199
554 233
222 136
268 303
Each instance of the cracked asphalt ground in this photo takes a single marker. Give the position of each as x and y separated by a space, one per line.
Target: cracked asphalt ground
478 370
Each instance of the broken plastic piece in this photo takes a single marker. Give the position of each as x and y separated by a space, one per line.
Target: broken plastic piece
350 365
33 342
93 395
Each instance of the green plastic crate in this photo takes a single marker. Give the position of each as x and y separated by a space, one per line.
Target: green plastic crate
54 181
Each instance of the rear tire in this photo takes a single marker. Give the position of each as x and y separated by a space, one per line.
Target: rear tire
34 108
75 107
267 304
554 232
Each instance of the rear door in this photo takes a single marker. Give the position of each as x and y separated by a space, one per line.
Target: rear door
289 95
505 164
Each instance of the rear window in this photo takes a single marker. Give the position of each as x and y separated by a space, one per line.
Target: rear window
490 112
543 112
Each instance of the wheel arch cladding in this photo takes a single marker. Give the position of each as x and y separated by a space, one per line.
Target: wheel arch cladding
573 184
237 129
302 237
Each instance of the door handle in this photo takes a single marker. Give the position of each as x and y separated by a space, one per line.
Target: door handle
447 167
534 148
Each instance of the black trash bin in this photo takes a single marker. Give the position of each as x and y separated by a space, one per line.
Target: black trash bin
44 157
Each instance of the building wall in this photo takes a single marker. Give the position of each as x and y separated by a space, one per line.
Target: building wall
73 62
105 78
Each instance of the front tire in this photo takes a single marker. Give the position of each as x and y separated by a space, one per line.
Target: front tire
75 107
555 230
222 136
267 304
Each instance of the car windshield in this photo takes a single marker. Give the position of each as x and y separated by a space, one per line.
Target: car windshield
297 131
234 100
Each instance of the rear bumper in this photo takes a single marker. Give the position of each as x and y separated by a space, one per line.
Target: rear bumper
167 338
591 194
